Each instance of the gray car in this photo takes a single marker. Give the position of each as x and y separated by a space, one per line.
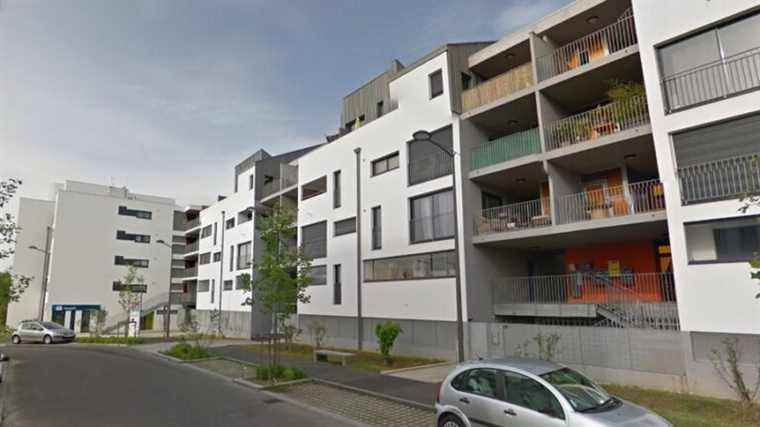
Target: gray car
44 332
517 392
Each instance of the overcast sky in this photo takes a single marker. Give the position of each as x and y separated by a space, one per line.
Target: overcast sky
167 96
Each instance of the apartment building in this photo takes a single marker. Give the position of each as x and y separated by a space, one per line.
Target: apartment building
77 248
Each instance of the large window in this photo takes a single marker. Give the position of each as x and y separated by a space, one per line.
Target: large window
139 263
432 217
427 161
385 164
318 274
345 226
734 240
227 285
314 240
123 210
244 259
411 267
239 282
204 258
377 227
139 238
217 256
206 231
203 285
230 223
436 83
336 189
337 285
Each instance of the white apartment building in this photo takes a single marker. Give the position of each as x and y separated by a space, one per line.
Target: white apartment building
84 239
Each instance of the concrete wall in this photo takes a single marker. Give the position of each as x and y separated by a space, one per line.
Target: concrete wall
235 324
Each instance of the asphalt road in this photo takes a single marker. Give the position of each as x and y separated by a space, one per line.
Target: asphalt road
69 385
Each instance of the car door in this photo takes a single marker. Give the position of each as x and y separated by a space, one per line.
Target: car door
530 403
478 395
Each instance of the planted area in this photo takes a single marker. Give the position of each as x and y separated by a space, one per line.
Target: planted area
187 351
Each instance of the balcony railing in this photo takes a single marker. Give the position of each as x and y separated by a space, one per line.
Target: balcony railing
506 148
717 80
430 167
498 87
182 298
597 45
517 216
621 200
632 299
189 272
601 121
288 178
720 179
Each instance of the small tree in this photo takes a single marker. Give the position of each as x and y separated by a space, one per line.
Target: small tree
282 274
12 286
726 362
100 317
386 336
8 189
317 330
129 300
290 333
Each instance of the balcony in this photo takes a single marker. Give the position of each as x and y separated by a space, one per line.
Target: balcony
608 202
640 300
182 298
288 178
498 87
191 248
196 222
517 216
720 179
506 148
593 47
602 121
189 273
713 81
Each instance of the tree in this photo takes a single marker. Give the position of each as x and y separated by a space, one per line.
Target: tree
386 336
7 222
11 288
129 300
282 274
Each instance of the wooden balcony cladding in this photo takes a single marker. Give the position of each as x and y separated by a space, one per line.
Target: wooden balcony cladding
501 86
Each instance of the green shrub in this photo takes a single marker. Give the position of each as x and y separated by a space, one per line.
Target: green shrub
111 340
278 373
186 351
386 336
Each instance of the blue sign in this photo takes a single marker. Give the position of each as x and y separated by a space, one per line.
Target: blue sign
75 307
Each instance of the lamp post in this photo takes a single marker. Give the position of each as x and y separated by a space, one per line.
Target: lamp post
45 266
168 309
425 136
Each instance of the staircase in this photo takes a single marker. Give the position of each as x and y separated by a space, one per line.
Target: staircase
153 303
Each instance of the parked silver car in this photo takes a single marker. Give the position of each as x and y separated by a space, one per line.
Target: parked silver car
517 392
44 332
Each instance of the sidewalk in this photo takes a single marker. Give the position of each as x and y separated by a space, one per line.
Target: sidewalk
401 388
165 345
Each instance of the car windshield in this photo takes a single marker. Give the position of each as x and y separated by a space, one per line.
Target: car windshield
582 393
52 325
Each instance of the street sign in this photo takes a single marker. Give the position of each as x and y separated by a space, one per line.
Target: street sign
138 289
75 307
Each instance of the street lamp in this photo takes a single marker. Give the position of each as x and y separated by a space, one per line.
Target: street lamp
168 308
46 262
425 136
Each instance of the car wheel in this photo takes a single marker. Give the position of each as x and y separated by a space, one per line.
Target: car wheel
450 420
47 339
16 339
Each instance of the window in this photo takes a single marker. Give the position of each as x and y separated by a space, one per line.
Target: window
336 189
230 224
213 290
214 234
244 216
379 109
138 238
345 226
385 164
250 182
318 275
244 256
377 228
466 81
217 256
314 240
139 263
427 161
530 394
337 285
733 240
206 231
203 285
239 282
436 84
228 285
477 381
432 217
204 258
411 267
568 382
232 257
123 210
314 188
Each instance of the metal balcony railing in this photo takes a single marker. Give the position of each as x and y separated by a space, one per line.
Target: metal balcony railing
189 272
603 42
288 178
713 81
498 87
601 121
433 227
720 179
517 216
643 300
621 200
430 167
507 147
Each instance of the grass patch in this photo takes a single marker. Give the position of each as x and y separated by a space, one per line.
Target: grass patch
685 410
228 368
187 351
111 340
363 360
278 373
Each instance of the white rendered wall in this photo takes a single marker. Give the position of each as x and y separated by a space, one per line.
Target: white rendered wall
431 299
711 297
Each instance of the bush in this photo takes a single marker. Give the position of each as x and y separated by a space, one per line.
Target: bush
111 340
186 351
278 373
386 336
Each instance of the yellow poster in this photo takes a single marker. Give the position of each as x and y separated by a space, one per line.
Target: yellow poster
613 267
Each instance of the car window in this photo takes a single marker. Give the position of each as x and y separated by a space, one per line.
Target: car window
529 393
477 381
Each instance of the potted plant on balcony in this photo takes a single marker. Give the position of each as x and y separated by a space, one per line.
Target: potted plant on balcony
627 98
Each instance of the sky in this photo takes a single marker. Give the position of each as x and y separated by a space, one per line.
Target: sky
166 96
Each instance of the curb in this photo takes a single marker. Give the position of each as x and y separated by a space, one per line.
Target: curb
407 402
253 385
414 368
177 360
342 419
